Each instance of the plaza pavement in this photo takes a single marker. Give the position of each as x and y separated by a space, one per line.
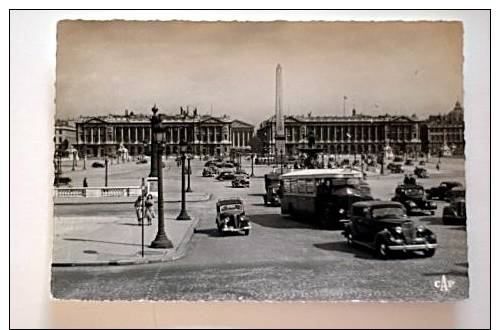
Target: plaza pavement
103 241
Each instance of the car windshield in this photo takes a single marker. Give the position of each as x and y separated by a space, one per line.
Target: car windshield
387 212
230 207
414 192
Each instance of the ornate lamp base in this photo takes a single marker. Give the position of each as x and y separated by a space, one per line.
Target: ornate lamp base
161 242
183 215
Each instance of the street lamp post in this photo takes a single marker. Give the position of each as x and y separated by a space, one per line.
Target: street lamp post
281 160
106 171
252 157
188 189
155 126
161 240
74 161
382 162
183 215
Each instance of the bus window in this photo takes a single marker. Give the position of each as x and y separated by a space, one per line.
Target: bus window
293 186
301 183
310 186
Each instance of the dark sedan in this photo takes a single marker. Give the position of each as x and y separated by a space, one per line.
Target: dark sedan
442 190
384 227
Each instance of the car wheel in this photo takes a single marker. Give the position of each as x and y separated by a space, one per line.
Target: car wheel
382 250
246 232
429 253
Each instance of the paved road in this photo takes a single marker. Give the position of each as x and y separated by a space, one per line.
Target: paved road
281 259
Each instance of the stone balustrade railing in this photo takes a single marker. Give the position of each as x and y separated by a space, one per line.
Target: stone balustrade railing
98 192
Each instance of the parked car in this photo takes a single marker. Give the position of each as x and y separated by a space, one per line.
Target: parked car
231 216
240 181
225 175
395 167
421 163
227 165
421 172
142 161
409 162
412 196
62 180
398 159
384 227
97 164
272 185
209 171
455 213
210 163
440 191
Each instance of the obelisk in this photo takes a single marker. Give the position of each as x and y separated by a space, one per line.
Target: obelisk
280 121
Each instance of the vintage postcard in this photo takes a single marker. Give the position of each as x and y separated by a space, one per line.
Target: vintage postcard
259 161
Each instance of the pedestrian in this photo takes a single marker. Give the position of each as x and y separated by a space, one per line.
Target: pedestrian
138 209
85 184
437 166
150 212
406 179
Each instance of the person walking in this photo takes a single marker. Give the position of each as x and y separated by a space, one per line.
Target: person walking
85 184
150 212
138 209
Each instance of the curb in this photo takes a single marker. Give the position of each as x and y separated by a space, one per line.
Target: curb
205 199
177 253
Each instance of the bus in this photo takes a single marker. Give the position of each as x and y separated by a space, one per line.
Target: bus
322 195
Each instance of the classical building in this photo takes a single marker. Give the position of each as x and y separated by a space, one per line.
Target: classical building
206 134
65 130
353 134
444 134
241 135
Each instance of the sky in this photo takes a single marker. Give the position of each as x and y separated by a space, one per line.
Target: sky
400 68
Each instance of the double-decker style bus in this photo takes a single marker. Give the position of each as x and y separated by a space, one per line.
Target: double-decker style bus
322 195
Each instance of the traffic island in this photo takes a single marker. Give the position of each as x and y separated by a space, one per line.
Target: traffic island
113 241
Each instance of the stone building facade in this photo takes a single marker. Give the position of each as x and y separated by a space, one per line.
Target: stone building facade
353 134
65 130
445 133
207 135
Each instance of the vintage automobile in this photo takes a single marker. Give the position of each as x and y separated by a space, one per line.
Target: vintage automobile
395 167
97 164
409 162
209 171
62 181
455 213
421 163
412 196
210 163
420 172
440 191
231 216
240 181
384 227
272 184
142 161
225 175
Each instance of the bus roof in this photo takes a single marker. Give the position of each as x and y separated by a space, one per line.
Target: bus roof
323 173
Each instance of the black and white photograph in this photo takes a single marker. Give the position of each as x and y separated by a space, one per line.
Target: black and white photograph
260 161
